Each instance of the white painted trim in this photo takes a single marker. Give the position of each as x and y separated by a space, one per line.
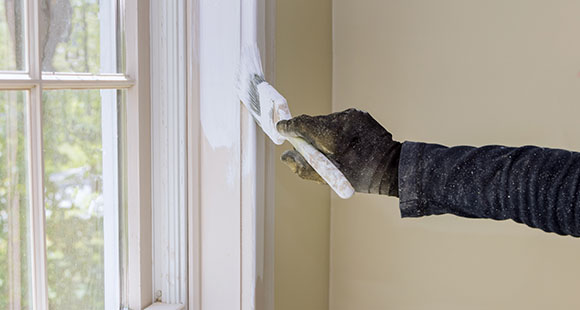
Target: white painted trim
16 81
109 133
220 162
168 106
194 227
138 287
110 145
86 82
258 175
162 306
24 82
36 164
230 174
37 214
65 81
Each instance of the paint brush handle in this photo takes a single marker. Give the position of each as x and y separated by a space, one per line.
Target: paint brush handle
324 167
273 108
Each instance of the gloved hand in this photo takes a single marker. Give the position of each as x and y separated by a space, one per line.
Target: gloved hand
355 142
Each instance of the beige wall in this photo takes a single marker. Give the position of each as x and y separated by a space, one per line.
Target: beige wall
455 72
304 72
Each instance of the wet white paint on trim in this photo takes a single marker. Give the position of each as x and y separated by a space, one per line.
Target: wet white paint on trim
220 121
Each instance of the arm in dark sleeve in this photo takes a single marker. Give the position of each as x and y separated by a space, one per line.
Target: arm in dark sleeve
539 187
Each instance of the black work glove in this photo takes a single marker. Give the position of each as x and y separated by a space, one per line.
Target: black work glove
355 142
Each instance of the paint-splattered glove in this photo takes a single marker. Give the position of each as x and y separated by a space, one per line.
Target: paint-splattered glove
355 142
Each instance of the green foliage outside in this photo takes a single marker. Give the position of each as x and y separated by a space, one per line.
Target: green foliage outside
73 182
13 188
7 48
80 52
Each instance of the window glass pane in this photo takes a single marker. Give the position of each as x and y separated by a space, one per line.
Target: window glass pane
12 29
80 36
82 198
14 203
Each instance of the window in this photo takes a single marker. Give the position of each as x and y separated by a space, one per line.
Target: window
82 223
72 107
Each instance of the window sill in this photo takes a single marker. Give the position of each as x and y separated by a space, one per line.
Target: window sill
162 306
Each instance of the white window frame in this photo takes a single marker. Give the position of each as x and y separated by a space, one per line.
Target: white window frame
136 82
138 275
230 254
169 149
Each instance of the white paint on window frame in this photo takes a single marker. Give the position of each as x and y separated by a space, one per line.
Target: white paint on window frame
230 184
193 134
164 306
137 291
39 289
110 157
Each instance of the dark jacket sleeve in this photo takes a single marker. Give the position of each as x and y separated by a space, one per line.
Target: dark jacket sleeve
539 187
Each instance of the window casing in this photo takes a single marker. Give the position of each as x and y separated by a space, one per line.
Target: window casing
230 161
